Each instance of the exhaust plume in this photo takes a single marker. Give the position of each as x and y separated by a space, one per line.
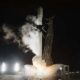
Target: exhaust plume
31 38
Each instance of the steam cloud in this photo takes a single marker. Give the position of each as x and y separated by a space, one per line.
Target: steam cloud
9 33
31 37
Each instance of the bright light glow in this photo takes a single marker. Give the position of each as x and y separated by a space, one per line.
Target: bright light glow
3 67
42 72
16 67
60 68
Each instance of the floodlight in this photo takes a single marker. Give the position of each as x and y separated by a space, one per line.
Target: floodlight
16 67
3 67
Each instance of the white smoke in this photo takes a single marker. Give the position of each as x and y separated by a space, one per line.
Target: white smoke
36 19
42 71
32 38
10 34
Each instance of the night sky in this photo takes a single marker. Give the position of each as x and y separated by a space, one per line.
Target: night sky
66 47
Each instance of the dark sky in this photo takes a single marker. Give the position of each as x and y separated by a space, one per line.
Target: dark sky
66 47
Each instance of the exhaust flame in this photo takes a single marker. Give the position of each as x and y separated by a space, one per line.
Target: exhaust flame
41 71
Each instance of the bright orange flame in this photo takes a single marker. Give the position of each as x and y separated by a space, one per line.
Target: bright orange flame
40 70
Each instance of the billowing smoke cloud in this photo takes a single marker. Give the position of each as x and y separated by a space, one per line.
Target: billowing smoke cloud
10 35
36 19
42 72
30 35
32 38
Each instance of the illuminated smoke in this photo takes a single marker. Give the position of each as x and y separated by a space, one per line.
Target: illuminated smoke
31 37
41 71
9 33
36 19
